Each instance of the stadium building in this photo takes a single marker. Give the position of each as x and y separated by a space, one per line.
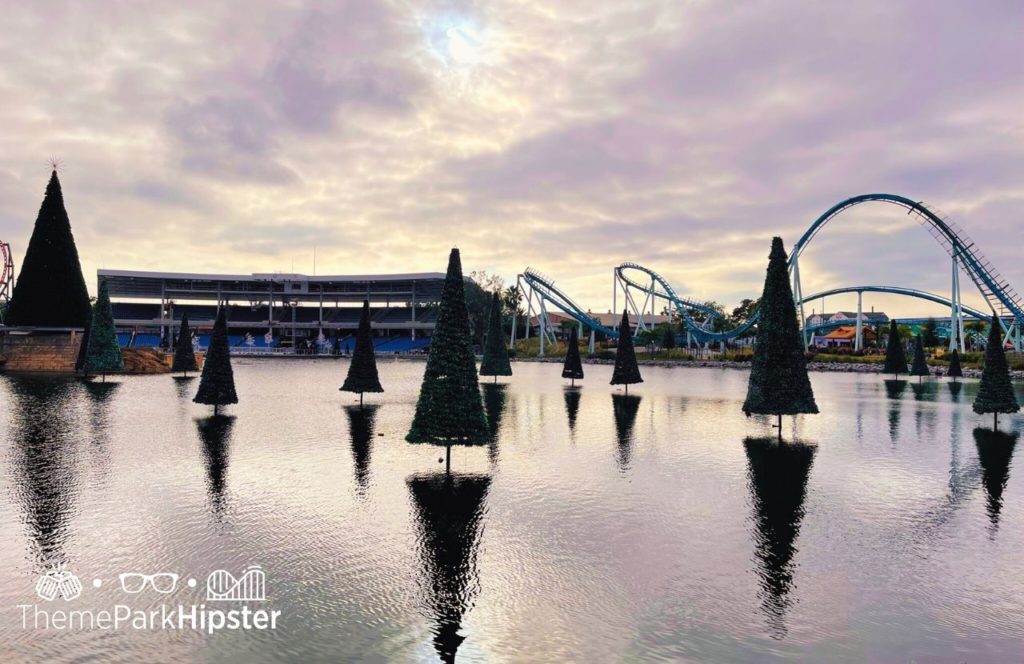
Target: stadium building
269 313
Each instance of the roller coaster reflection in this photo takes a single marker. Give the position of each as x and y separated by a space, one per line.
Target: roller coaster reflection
703 324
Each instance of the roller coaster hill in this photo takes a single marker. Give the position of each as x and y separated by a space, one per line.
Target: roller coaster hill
643 289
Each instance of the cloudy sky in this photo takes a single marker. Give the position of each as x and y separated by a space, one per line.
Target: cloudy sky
569 136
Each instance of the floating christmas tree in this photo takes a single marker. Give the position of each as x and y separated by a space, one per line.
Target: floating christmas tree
573 367
184 353
920 366
626 371
895 355
217 383
103 354
449 409
50 291
995 393
495 361
362 371
778 384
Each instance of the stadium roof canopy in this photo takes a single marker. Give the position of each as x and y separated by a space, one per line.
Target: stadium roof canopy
421 287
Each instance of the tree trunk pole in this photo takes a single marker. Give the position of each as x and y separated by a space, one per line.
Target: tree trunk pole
360 399
448 459
780 427
216 410
995 421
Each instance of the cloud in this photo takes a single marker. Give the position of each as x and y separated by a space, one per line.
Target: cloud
573 136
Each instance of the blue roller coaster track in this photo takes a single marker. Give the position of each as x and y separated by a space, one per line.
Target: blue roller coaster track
699 318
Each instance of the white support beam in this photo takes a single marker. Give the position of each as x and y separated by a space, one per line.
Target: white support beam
859 341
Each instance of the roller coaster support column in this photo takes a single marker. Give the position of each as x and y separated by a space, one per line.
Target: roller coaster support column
798 295
529 315
859 341
615 291
591 342
652 304
956 314
543 319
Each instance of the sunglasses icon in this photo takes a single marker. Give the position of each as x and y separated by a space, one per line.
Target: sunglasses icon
163 582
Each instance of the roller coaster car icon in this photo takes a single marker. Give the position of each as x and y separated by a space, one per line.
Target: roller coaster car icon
222 586
58 581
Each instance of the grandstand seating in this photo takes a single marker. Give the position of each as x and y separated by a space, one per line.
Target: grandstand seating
146 340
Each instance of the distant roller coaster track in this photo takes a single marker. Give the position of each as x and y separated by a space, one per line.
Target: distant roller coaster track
996 291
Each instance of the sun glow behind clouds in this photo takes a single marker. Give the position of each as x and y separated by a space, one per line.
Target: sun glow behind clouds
456 40
464 47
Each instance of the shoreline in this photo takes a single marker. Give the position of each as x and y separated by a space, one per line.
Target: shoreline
824 367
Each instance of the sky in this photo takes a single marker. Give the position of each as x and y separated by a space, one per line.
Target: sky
241 137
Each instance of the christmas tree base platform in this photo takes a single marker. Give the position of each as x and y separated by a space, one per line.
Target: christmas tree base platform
39 349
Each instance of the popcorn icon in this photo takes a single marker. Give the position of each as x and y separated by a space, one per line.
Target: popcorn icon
58 581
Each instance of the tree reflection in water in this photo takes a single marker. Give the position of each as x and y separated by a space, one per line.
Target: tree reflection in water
215 435
894 391
995 451
572 405
495 395
625 407
45 459
778 475
361 421
449 511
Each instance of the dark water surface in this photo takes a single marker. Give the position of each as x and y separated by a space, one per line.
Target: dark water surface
599 527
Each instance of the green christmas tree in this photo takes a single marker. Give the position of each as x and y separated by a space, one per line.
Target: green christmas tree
668 341
895 355
449 409
995 393
362 371
954 365
778 384
50 291
83 348
184 354
573 367
495 361
920 366
217 383
626 371
103 355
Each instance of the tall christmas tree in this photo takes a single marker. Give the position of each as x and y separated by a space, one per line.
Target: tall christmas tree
362 371
626 371
217 383
495 361
573 367
50 291
184 353
995 393
954 365
895 355
778 383
103 355
920 366
449 409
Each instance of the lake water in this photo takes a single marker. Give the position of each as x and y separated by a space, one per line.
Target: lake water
598 527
